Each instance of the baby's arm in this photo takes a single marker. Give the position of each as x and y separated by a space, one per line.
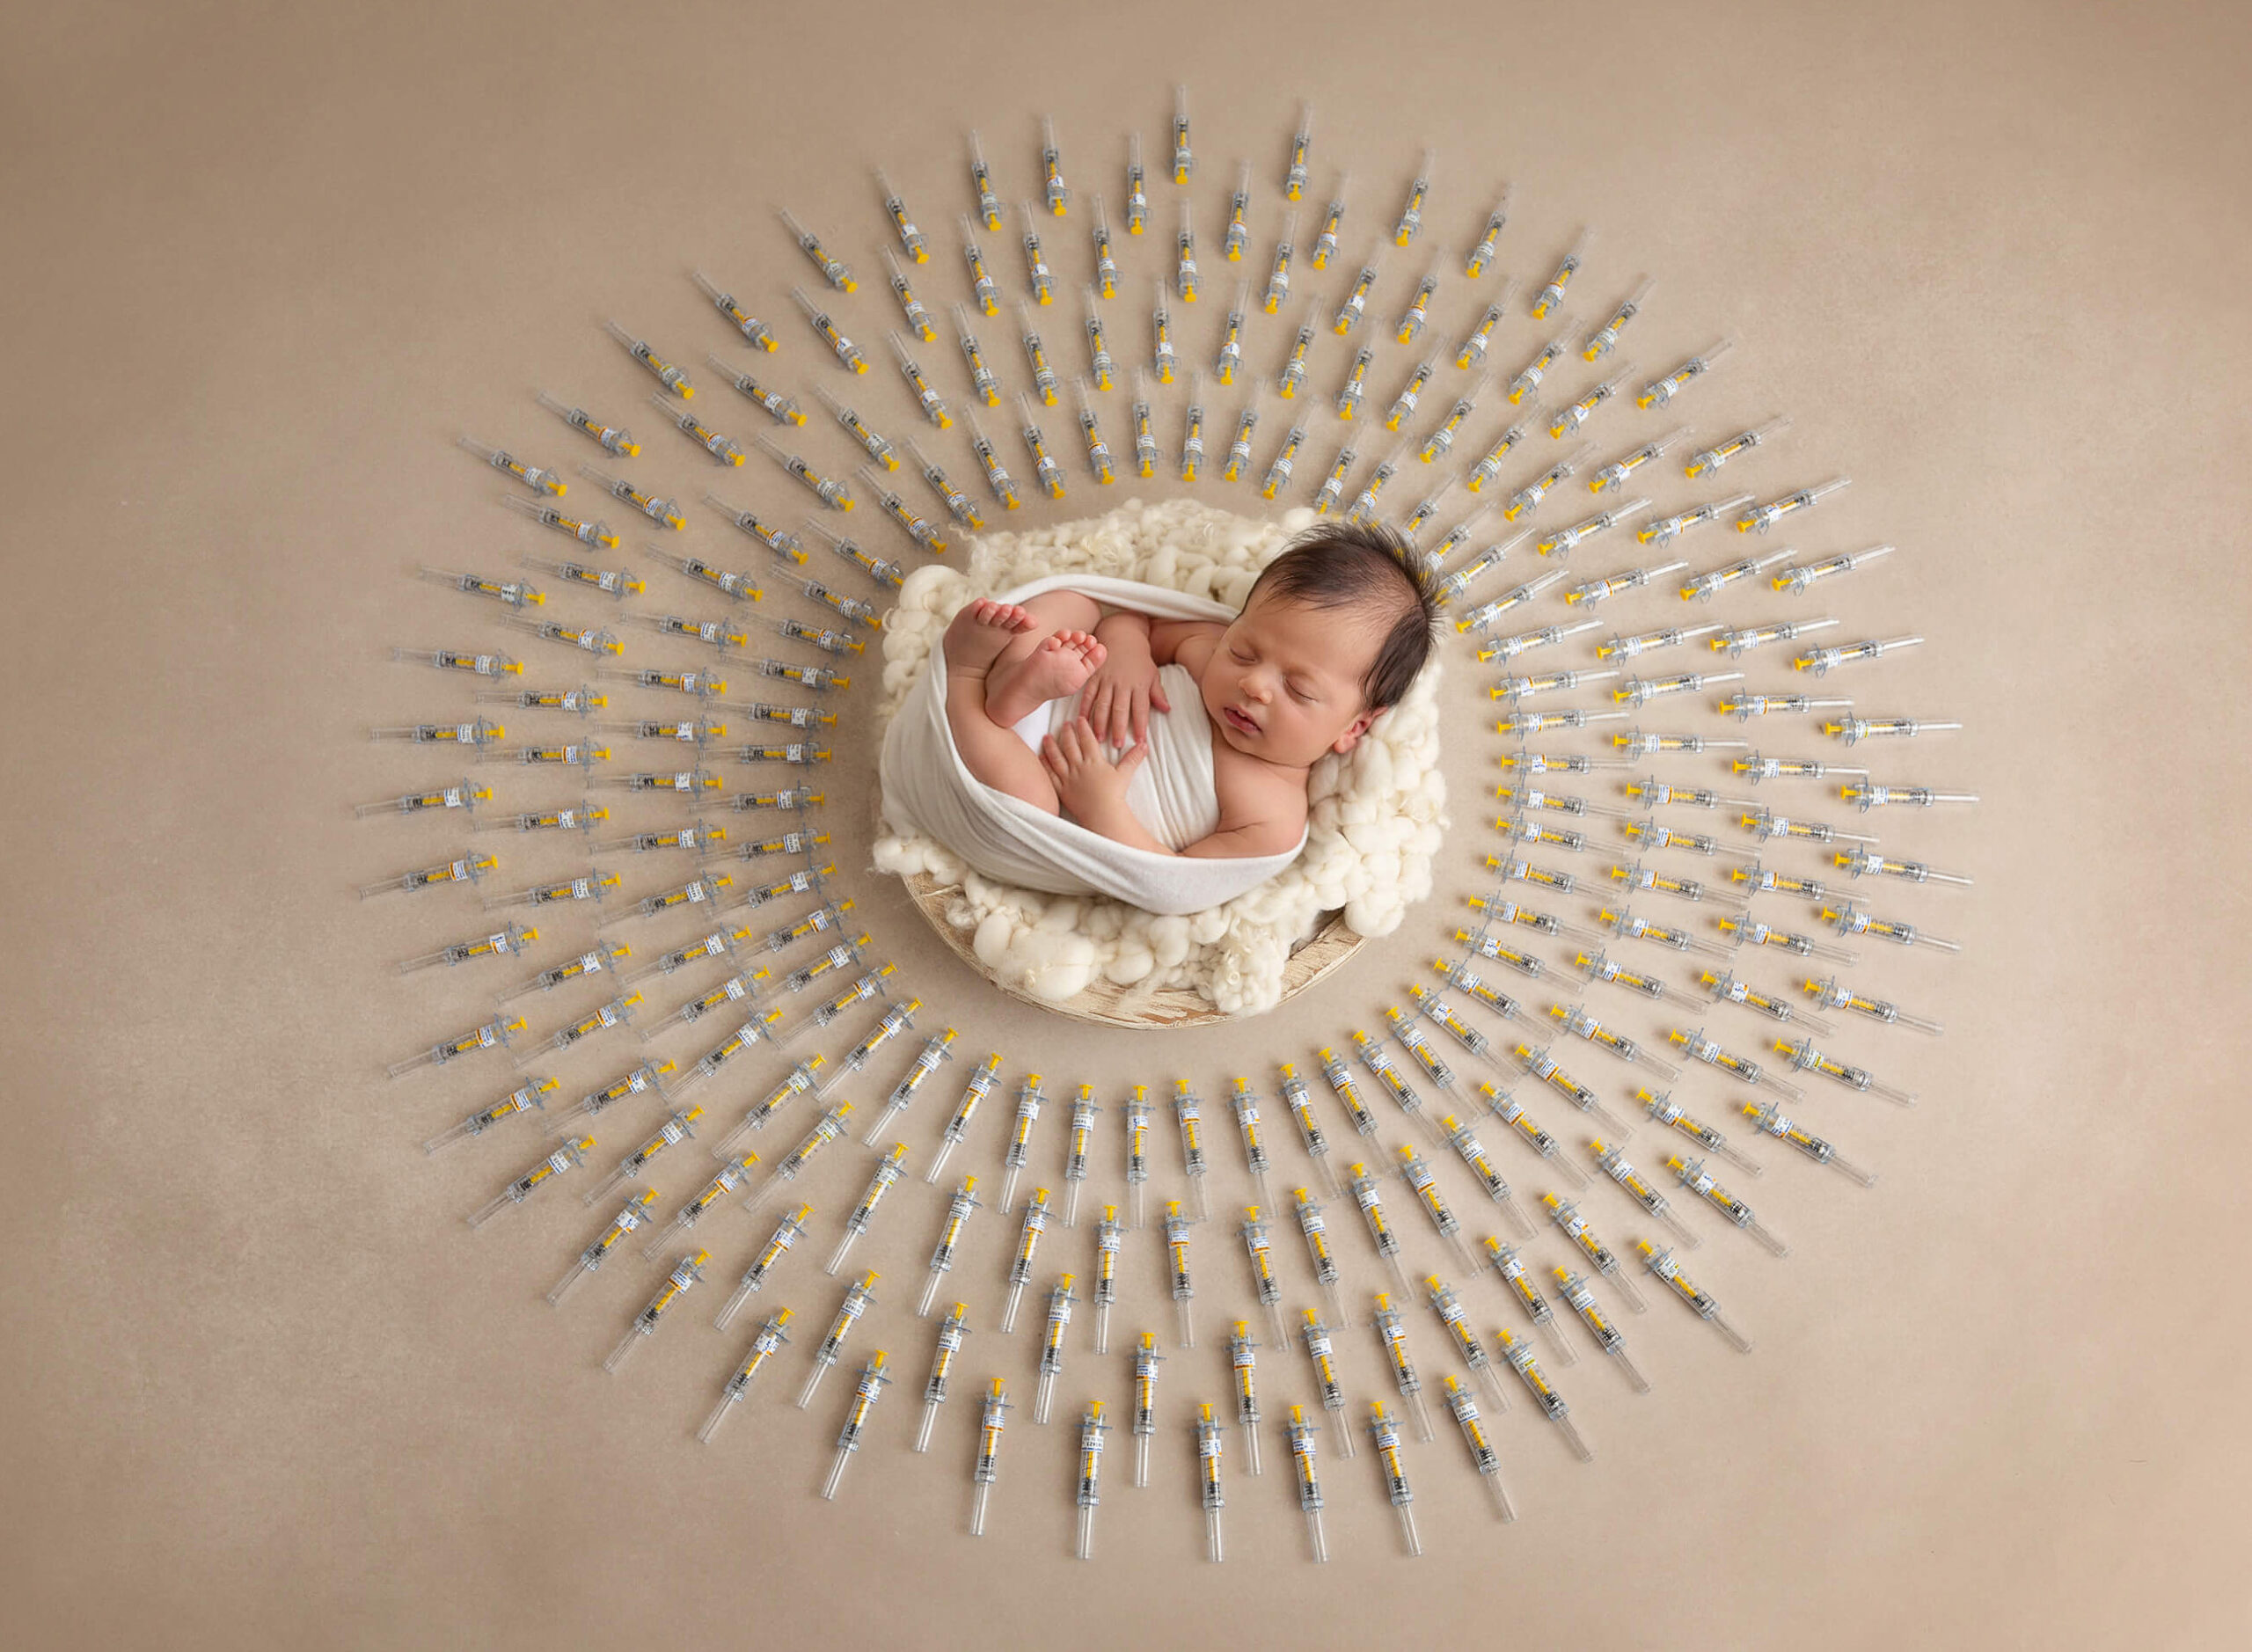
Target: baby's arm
1118 696
1260 813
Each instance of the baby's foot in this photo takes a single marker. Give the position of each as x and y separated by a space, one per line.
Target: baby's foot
1062 661
976 635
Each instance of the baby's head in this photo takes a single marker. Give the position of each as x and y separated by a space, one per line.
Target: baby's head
1335 630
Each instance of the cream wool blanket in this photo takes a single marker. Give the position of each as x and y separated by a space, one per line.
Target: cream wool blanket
1375 817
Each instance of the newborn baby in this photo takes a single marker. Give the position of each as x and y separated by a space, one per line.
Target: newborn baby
1332 633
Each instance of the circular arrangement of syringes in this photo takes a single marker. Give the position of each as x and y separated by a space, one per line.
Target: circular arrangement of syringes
656 755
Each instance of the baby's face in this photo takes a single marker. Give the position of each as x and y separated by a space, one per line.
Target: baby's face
1284 682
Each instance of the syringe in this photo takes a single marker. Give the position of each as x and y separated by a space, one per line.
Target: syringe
1184 1287
1102 369
981 181
1293 370
835 495
1411 393
896 1020
1349 397
1472 351
828 1128
1699 1301
1264 1283
1599 967
1106 265
1704 587
671 377
517 1101
1079 1143
980 1086
1510 1268
637 1081
685 1274
1744 708
1091 1428
932 404
1355 303
1060 1298
1630 647
1615 474
1691 1174
1528 498
1485 614
879 448
1333 220
1392 1336
1299 1100
1848 919
902 222
1536 1060
1425 1186
1455 1321
1192 428
1030 1097
1574 1290
1638 877
870 985
986 1467
887 1171
611 438
1796 578
1666 529
1741 929
1137 198
803 1079
1045 471
1137 1112
1694 1042
1243 1361
496 1034
935 1051
731 1176
472 662
783 409
1188 1114
1574 1020
1805 1057
1326 1271
1473 1154
1606 338
1594 591
1529 378
1346 1090
1832 995
1184 154
1853 730
787 1233
1386 1072
1279 272
834 271
1146 1361
952 1329
949 1241
1109 1239
1661 1106
1727 989
1184 256
1145 440
989 457
1496 220
911 307
1769 1119
958 504
871 1385
1575 1227
679 1127
1720 453
1237 235
1386 1434
1483 1457
722 448
545 483
1035 1223
1760 518
860 1295
1519 688
1247 422
477 733
1412 319
1323 1354
769 1342
1616 1166
1863 862
633 1215
1551 295
1519 1354
582 529
1660 391
508 941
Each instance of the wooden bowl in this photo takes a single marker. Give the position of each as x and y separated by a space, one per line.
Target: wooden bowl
1106 1004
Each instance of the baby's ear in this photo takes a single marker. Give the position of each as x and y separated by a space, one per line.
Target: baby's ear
1355 729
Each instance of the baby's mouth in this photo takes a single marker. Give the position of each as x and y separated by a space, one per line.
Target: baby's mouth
1237 720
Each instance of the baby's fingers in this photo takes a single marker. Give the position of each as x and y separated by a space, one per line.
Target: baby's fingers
1157 695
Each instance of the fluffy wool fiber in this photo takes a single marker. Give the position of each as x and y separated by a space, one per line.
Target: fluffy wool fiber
1376 815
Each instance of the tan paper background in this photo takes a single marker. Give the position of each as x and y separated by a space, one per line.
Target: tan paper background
261 1386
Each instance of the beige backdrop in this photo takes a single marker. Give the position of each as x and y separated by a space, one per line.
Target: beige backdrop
262 1386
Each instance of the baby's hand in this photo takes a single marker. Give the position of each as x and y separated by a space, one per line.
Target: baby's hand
1118 699
1087 783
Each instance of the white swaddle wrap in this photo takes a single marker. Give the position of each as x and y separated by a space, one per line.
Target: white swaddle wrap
926 785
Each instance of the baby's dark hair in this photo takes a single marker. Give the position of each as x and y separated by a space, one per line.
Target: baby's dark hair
1341 564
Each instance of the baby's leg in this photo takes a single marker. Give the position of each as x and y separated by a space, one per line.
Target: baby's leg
1045 662
975 638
